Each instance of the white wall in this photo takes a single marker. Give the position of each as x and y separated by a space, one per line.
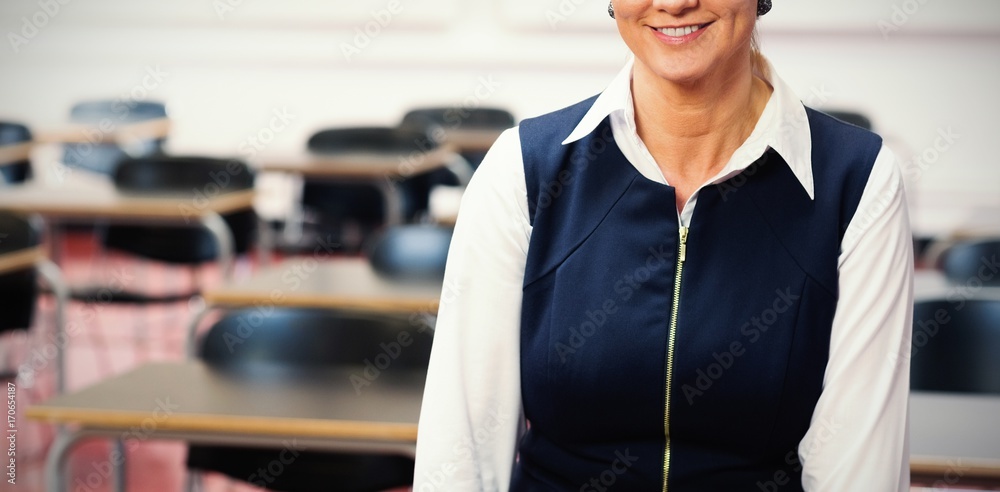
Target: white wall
227 65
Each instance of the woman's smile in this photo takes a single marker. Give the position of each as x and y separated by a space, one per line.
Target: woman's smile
680 34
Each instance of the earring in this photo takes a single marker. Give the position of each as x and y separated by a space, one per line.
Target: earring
763 7
611 9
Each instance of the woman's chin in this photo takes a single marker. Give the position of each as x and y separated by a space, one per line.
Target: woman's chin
679 75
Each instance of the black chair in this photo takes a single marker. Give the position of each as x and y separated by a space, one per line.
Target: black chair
185 245
290 344
18 289
965 261
333 206
458 118
956 346
103 158
14 134
411 252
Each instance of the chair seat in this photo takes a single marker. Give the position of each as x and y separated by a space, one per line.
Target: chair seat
281 470
17 172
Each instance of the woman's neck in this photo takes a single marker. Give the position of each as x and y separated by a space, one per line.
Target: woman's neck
693 129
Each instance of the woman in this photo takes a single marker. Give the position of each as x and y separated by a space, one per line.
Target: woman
689 283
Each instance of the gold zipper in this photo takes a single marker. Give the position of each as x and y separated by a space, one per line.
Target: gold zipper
671 337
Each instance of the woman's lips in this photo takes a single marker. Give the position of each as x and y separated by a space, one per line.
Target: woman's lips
679 35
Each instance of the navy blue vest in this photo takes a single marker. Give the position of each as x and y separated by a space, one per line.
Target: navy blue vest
757 296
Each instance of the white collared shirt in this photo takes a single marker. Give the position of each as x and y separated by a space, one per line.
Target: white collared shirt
471 417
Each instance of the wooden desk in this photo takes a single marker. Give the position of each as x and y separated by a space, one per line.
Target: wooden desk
14 153
381 170
932 284
334 283
955 434
341 283
358 165
20 260
476 139
109 133
191 402
88 198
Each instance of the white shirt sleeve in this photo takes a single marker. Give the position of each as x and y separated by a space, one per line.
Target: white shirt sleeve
471 417
858 438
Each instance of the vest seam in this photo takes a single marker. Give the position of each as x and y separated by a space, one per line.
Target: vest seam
780 241
572 250
784 381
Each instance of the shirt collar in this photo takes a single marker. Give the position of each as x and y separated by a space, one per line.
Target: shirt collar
783 126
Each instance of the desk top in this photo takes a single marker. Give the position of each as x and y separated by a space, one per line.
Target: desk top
957 433
20 260
355 165
14 153
93 198
153 129
336 283
932 284
472 139
191 397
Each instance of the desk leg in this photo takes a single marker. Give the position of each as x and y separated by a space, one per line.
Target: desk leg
53 276
120 468
224 239
55 232
265 241
393 201
55 463
192 334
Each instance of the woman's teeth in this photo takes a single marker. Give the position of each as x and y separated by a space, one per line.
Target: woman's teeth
676 32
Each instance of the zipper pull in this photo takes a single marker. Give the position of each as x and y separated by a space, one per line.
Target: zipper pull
683 244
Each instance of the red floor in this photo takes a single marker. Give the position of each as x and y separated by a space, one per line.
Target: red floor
111 340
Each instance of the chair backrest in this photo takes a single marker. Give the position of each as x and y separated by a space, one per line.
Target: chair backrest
169 174
964 262
371 139
280 341
197 177
856 119
460 118
104 157
12 133
411 252
956 346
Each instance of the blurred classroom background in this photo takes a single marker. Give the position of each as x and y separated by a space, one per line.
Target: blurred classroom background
91 84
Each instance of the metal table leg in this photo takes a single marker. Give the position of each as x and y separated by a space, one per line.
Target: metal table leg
224 239
55 463
393 201
119 472
192 334
265 241
53 276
